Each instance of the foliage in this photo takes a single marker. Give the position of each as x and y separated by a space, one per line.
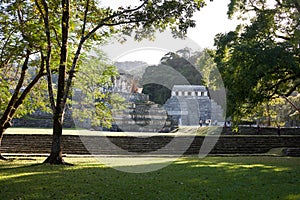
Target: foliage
21 63
208 69
4 92
157 93
260 60
187 178
183 66
33 101
276 112
39 25
93 89
61 30
178 61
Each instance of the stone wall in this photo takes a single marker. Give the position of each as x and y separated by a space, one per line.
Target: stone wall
41 119
72 144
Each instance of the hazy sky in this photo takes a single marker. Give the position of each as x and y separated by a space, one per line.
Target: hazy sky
211 20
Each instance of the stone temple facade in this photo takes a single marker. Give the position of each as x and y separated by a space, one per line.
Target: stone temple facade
190 104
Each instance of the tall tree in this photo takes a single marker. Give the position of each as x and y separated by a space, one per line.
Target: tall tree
260 60
21 62
96 23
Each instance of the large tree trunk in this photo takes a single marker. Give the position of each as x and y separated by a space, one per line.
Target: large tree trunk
58 116
56 150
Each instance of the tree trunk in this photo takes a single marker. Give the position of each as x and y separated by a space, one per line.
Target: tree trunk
2 130
1 136
56 150
58 114
268 115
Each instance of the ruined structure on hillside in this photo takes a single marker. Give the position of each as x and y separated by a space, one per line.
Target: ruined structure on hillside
141 115
188 105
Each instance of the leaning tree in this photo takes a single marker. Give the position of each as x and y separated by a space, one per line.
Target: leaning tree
22 63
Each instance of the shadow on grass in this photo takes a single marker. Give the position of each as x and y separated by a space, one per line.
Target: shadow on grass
187 178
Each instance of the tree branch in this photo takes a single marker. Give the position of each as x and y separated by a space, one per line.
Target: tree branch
283 37
49 49
292 89
124 22
3 50
65 22
276 85
48 57
85 17
28 88
292 104
84 38
22 24
278 2
111 17
5 119
56 37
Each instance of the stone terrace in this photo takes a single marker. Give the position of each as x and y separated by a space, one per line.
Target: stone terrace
226 144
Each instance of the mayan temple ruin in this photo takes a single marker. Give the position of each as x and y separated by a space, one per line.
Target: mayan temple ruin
141 115
188 105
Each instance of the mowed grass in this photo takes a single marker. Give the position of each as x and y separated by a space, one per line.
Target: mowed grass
185 130
187 178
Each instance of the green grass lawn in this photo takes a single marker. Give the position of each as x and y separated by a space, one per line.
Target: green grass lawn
187 178
190 130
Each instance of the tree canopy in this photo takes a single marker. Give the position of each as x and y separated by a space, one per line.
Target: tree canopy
260 60
21 63
178 61
61 30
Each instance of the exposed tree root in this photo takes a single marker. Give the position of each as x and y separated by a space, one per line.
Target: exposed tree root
53 160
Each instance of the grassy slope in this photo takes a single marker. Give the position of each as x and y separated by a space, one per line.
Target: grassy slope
188 178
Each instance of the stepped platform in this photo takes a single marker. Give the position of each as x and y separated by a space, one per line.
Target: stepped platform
85 144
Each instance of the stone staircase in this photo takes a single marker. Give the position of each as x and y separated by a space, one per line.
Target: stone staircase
162 145
141 117
216 112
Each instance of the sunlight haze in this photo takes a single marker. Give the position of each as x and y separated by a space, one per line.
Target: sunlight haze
210 20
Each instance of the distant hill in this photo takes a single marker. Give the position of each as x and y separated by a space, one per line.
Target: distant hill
135 68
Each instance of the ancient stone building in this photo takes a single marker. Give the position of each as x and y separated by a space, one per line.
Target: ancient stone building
190 104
